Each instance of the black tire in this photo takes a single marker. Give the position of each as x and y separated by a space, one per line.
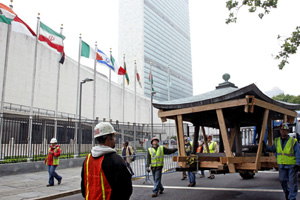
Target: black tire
247 174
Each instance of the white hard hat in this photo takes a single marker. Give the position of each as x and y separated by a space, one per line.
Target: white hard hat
103 128
154 138
53 141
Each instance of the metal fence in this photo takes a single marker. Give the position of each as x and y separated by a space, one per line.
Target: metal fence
15 144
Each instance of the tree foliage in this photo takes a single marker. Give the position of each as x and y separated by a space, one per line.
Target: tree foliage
287 98
290 44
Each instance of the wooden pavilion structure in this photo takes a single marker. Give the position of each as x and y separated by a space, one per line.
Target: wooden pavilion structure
228 109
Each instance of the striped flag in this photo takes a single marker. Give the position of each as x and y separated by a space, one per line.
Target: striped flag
17 25
88 52
126 74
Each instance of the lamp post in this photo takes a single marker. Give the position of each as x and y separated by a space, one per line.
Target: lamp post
152 94
79 122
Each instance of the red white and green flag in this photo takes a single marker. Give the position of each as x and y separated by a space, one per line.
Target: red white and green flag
8 16
51 37
88 52
126 74
115 67
151 80
138 79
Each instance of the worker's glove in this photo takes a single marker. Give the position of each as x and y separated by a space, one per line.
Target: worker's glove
148 169
297 167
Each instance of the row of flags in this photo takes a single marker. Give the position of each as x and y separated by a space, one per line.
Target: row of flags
55 40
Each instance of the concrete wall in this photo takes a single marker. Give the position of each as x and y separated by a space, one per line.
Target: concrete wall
20 74
30 167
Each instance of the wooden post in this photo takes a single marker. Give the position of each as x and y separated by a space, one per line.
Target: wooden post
232 136
238 139
196 138
180 135
262 136
270 133
205 139
223 130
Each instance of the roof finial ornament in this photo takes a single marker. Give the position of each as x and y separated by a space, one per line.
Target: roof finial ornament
226 77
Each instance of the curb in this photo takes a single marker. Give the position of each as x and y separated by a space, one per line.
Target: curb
59 195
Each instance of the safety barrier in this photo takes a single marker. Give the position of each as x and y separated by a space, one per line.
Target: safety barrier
138 166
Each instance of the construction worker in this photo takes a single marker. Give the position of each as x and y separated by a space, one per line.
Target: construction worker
104 173
187 140
52 161
188 151
287 154
155 159
213 148
127 152
200 150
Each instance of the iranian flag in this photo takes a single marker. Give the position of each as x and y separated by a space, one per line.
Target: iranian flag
52 38
88 52
17 25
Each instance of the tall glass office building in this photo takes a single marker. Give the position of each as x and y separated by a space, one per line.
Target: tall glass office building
157 31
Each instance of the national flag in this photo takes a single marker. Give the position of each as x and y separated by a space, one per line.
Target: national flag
53 39
138 79
126 75
151 80
117 68
88 52
17 25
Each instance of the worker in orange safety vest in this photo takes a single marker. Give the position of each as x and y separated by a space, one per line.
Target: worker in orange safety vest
104 173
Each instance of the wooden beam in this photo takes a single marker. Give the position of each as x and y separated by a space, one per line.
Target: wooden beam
245 166
232 136
235 160
276 108
262 137
210 165
196 138
270 133
205 139
180 136
223 130
226 104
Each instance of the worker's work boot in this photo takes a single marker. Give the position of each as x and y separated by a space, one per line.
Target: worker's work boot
160 192
202 175
287 195
184 177
154 195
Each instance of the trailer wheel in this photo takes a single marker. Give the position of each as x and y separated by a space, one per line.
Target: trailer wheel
247 174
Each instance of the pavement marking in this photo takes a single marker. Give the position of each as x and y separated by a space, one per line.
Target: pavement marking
214 189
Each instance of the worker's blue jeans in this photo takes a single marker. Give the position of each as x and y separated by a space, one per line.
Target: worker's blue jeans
157 181
191 176
289 175
53 174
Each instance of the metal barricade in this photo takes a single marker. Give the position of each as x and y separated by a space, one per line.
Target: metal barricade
138 166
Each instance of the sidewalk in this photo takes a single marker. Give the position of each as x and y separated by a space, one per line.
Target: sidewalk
33 185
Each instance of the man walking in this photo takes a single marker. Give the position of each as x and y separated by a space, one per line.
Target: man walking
155 158
104 173
127 153
213 148
287 154
188 151
52 161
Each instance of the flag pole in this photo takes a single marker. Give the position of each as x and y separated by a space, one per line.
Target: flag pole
169 98
4 85
123 100
134 134
77 97
57 90
151 90
33 87
94 92
109 88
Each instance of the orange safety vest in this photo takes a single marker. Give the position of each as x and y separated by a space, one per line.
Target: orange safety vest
96 184
199 149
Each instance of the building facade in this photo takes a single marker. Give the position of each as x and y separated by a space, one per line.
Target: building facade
157 32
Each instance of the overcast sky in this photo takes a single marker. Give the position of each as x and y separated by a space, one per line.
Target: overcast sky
244 50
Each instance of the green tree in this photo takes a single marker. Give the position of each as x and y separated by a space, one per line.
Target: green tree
290 44
287 98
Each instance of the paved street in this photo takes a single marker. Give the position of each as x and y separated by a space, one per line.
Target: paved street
265 185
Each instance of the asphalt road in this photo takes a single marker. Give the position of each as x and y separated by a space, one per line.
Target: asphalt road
264 185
